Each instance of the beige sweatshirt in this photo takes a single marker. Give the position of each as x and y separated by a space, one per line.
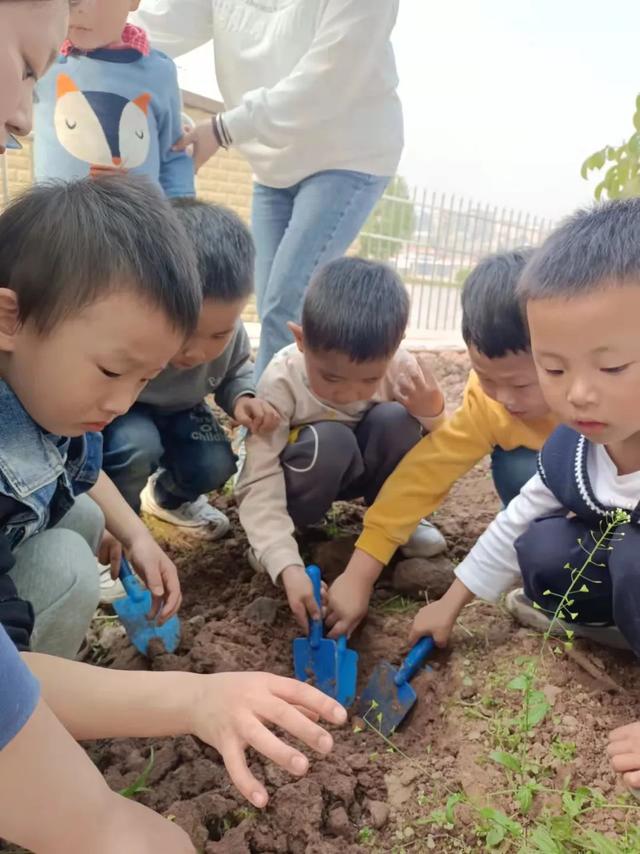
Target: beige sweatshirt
260 491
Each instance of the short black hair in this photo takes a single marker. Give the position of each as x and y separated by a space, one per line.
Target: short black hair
224 248
356 307
492 318
596 245
64 246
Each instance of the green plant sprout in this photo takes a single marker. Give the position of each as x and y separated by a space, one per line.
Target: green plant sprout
366 835
540 816
398 605
332 523
139 785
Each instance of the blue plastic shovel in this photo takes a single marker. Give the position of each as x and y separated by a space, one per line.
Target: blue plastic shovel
315 657
347 669
388 696
133 610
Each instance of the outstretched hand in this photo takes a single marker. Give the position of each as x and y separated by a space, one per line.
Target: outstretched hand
233 712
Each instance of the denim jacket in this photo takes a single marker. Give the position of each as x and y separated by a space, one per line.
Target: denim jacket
41 471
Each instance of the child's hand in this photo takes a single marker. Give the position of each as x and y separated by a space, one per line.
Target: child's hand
230 713
110 553
348 602
299 590
159 573
437 620
256 414
624 753
418 390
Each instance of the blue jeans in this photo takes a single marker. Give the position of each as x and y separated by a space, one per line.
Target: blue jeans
296 230
190 447
511 470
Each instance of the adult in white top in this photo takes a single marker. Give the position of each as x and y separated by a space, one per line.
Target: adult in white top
310 97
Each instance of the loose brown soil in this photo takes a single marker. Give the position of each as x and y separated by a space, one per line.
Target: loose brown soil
365 796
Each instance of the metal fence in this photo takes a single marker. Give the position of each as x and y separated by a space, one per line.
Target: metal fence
433 240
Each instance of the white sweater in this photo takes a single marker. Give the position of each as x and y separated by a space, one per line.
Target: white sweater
491 567
308 85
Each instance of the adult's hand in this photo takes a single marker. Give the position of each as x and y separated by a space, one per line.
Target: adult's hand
204 143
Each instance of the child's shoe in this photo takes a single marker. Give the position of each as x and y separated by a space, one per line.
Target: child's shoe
426 541
195 517
110 588
522 610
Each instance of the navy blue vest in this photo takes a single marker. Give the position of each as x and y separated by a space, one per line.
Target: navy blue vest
562 465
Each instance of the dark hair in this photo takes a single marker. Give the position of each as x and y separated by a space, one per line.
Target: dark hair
65 245
597 244
491 313
356 307
224 248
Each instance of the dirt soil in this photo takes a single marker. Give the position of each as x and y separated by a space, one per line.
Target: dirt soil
366 796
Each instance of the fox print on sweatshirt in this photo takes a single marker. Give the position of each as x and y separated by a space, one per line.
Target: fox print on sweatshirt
111 109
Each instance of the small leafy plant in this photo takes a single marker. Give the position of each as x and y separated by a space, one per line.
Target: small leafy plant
622 176
139 785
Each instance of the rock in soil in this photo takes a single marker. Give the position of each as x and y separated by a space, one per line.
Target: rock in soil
379 814
262 610
332 556
338 823
416 575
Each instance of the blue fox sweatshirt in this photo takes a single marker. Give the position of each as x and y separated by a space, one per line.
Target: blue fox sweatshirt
111 108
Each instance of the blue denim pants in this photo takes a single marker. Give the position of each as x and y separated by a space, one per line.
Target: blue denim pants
190 448
296 230
511 470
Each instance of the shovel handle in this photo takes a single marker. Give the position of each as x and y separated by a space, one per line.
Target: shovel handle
315 632
413 661
129 581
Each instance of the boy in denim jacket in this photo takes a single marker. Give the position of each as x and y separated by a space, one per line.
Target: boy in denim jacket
98 289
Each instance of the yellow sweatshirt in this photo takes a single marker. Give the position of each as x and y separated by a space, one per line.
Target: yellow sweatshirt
424 477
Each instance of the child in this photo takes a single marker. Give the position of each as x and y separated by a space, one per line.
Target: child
502 414
582 298
351 406
110 103
168 451
99 289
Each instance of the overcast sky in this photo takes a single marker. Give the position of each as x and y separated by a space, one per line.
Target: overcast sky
504 99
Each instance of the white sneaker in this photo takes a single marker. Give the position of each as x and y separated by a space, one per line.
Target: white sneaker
197 517
426 541
239 448
522 610
110 589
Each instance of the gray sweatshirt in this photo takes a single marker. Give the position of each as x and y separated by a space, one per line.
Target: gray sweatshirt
228 377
